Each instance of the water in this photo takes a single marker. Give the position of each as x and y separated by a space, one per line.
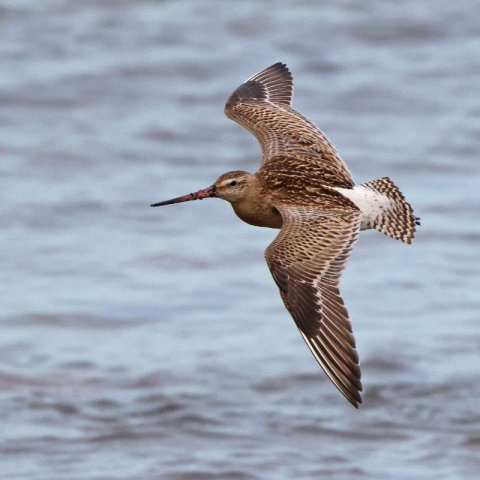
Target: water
152 343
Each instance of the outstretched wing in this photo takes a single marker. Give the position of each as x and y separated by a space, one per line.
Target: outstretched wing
262 104
306 260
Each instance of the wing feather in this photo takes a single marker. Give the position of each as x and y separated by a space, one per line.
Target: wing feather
262 104
306 260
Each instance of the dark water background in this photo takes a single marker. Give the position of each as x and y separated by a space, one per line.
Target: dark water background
140 343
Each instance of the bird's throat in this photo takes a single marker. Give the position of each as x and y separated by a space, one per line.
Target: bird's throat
258 213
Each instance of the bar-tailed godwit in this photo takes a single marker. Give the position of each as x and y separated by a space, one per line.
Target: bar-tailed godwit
305 189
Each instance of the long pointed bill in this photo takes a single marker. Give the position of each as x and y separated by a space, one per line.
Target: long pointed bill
201 194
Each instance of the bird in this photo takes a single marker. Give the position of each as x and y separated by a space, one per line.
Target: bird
306 190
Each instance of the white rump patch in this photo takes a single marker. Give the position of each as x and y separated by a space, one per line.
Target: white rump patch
372 204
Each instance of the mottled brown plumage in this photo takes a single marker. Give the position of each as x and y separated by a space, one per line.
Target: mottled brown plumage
305 188
262 106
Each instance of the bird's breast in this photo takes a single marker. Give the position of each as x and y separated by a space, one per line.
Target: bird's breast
258 214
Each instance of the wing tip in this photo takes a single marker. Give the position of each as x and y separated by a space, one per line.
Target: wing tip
278 66
354 401
350 392
273 84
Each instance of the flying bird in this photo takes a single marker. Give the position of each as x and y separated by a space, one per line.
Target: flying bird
305 189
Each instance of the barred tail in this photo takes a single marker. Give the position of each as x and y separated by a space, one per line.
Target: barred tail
397 220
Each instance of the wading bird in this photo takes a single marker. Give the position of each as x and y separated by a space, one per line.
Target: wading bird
305 189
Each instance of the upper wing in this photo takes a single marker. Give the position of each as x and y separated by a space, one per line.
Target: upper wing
262 106
306 260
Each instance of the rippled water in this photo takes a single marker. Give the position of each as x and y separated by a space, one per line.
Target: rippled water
147 343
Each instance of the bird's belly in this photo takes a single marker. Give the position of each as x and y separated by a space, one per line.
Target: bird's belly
259 216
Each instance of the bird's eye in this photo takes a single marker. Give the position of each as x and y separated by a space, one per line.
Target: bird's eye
233 183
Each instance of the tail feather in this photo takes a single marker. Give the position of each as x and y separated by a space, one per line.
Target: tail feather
396 221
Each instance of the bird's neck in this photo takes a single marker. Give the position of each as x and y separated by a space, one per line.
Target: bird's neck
256 208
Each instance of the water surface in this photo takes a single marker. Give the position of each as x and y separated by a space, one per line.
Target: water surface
152 343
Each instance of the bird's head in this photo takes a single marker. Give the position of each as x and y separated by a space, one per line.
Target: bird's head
230 186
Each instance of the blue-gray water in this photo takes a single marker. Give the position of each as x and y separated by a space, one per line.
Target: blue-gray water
140 343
